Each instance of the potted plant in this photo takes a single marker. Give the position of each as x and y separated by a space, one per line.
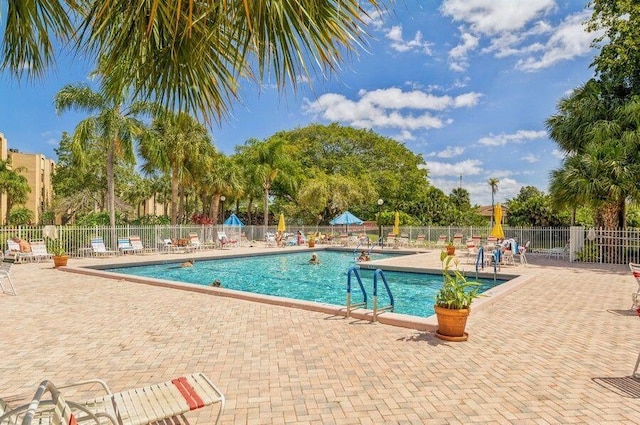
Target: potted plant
60 256
453 300
450 249
312 241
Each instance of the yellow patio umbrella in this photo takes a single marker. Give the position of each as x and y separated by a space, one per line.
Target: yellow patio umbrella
497 230
281 225
396 224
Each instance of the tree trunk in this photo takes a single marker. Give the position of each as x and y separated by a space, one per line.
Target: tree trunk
174 196
249 211
111 191
266 186
215 201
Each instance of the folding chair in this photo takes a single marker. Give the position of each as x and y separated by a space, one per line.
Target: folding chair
140 406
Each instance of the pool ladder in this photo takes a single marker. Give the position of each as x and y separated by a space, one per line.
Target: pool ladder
354 271
480 262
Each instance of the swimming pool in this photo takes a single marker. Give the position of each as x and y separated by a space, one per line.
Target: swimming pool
291 276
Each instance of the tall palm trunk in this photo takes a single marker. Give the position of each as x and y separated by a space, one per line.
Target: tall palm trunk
267 187
174 196
250 211
111 192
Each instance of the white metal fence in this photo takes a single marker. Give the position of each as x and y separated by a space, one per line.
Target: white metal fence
579 243
76 238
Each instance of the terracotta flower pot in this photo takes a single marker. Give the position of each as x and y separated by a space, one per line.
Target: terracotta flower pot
60 261
451 323
451 250
312 243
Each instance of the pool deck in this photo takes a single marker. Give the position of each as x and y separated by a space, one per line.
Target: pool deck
558 348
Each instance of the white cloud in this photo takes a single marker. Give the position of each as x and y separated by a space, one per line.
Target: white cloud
458 55
399 44
374 18
531 158
449 152
558 153
52 137
479 191
491 17
517 137
569 40
390 108
404 136
467 167
513 28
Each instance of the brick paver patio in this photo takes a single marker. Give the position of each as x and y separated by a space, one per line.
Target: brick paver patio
559 349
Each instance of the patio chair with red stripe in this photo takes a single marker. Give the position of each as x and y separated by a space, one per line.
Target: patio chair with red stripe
140 406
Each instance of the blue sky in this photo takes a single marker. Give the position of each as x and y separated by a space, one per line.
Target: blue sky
466 83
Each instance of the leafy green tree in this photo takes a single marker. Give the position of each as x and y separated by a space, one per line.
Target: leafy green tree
20 216
618 62
532 207
14 185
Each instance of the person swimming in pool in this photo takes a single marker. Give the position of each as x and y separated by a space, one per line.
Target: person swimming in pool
363 257
188 263
314 259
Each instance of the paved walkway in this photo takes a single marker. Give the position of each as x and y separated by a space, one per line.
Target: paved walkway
560 349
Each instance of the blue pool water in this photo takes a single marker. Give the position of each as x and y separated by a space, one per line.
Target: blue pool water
291 276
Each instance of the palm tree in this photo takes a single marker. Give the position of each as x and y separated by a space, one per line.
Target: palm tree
493 183
174 139
600 135
267 158
112 126
222 177
148 45
13 184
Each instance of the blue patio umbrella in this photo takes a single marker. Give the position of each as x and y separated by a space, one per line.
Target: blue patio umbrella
233 220
346 218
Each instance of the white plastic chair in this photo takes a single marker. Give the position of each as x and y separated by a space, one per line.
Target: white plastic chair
5 269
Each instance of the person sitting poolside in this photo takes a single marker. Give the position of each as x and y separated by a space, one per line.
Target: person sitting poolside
24 245
314 259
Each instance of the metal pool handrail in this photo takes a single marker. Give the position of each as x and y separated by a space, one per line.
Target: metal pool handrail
354 271
389 307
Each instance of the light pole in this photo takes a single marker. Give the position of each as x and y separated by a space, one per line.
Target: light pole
380 202
222 199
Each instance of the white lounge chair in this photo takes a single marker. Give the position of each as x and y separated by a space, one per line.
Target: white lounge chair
225 240
125 247
157 403
14 253
138 247
39 251
270 239
99 249
5 270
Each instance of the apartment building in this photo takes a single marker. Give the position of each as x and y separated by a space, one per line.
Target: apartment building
38 170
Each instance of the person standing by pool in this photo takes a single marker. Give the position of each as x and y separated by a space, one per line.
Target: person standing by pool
299 238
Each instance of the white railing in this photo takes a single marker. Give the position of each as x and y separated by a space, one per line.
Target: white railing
605 246
581 244
77 238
